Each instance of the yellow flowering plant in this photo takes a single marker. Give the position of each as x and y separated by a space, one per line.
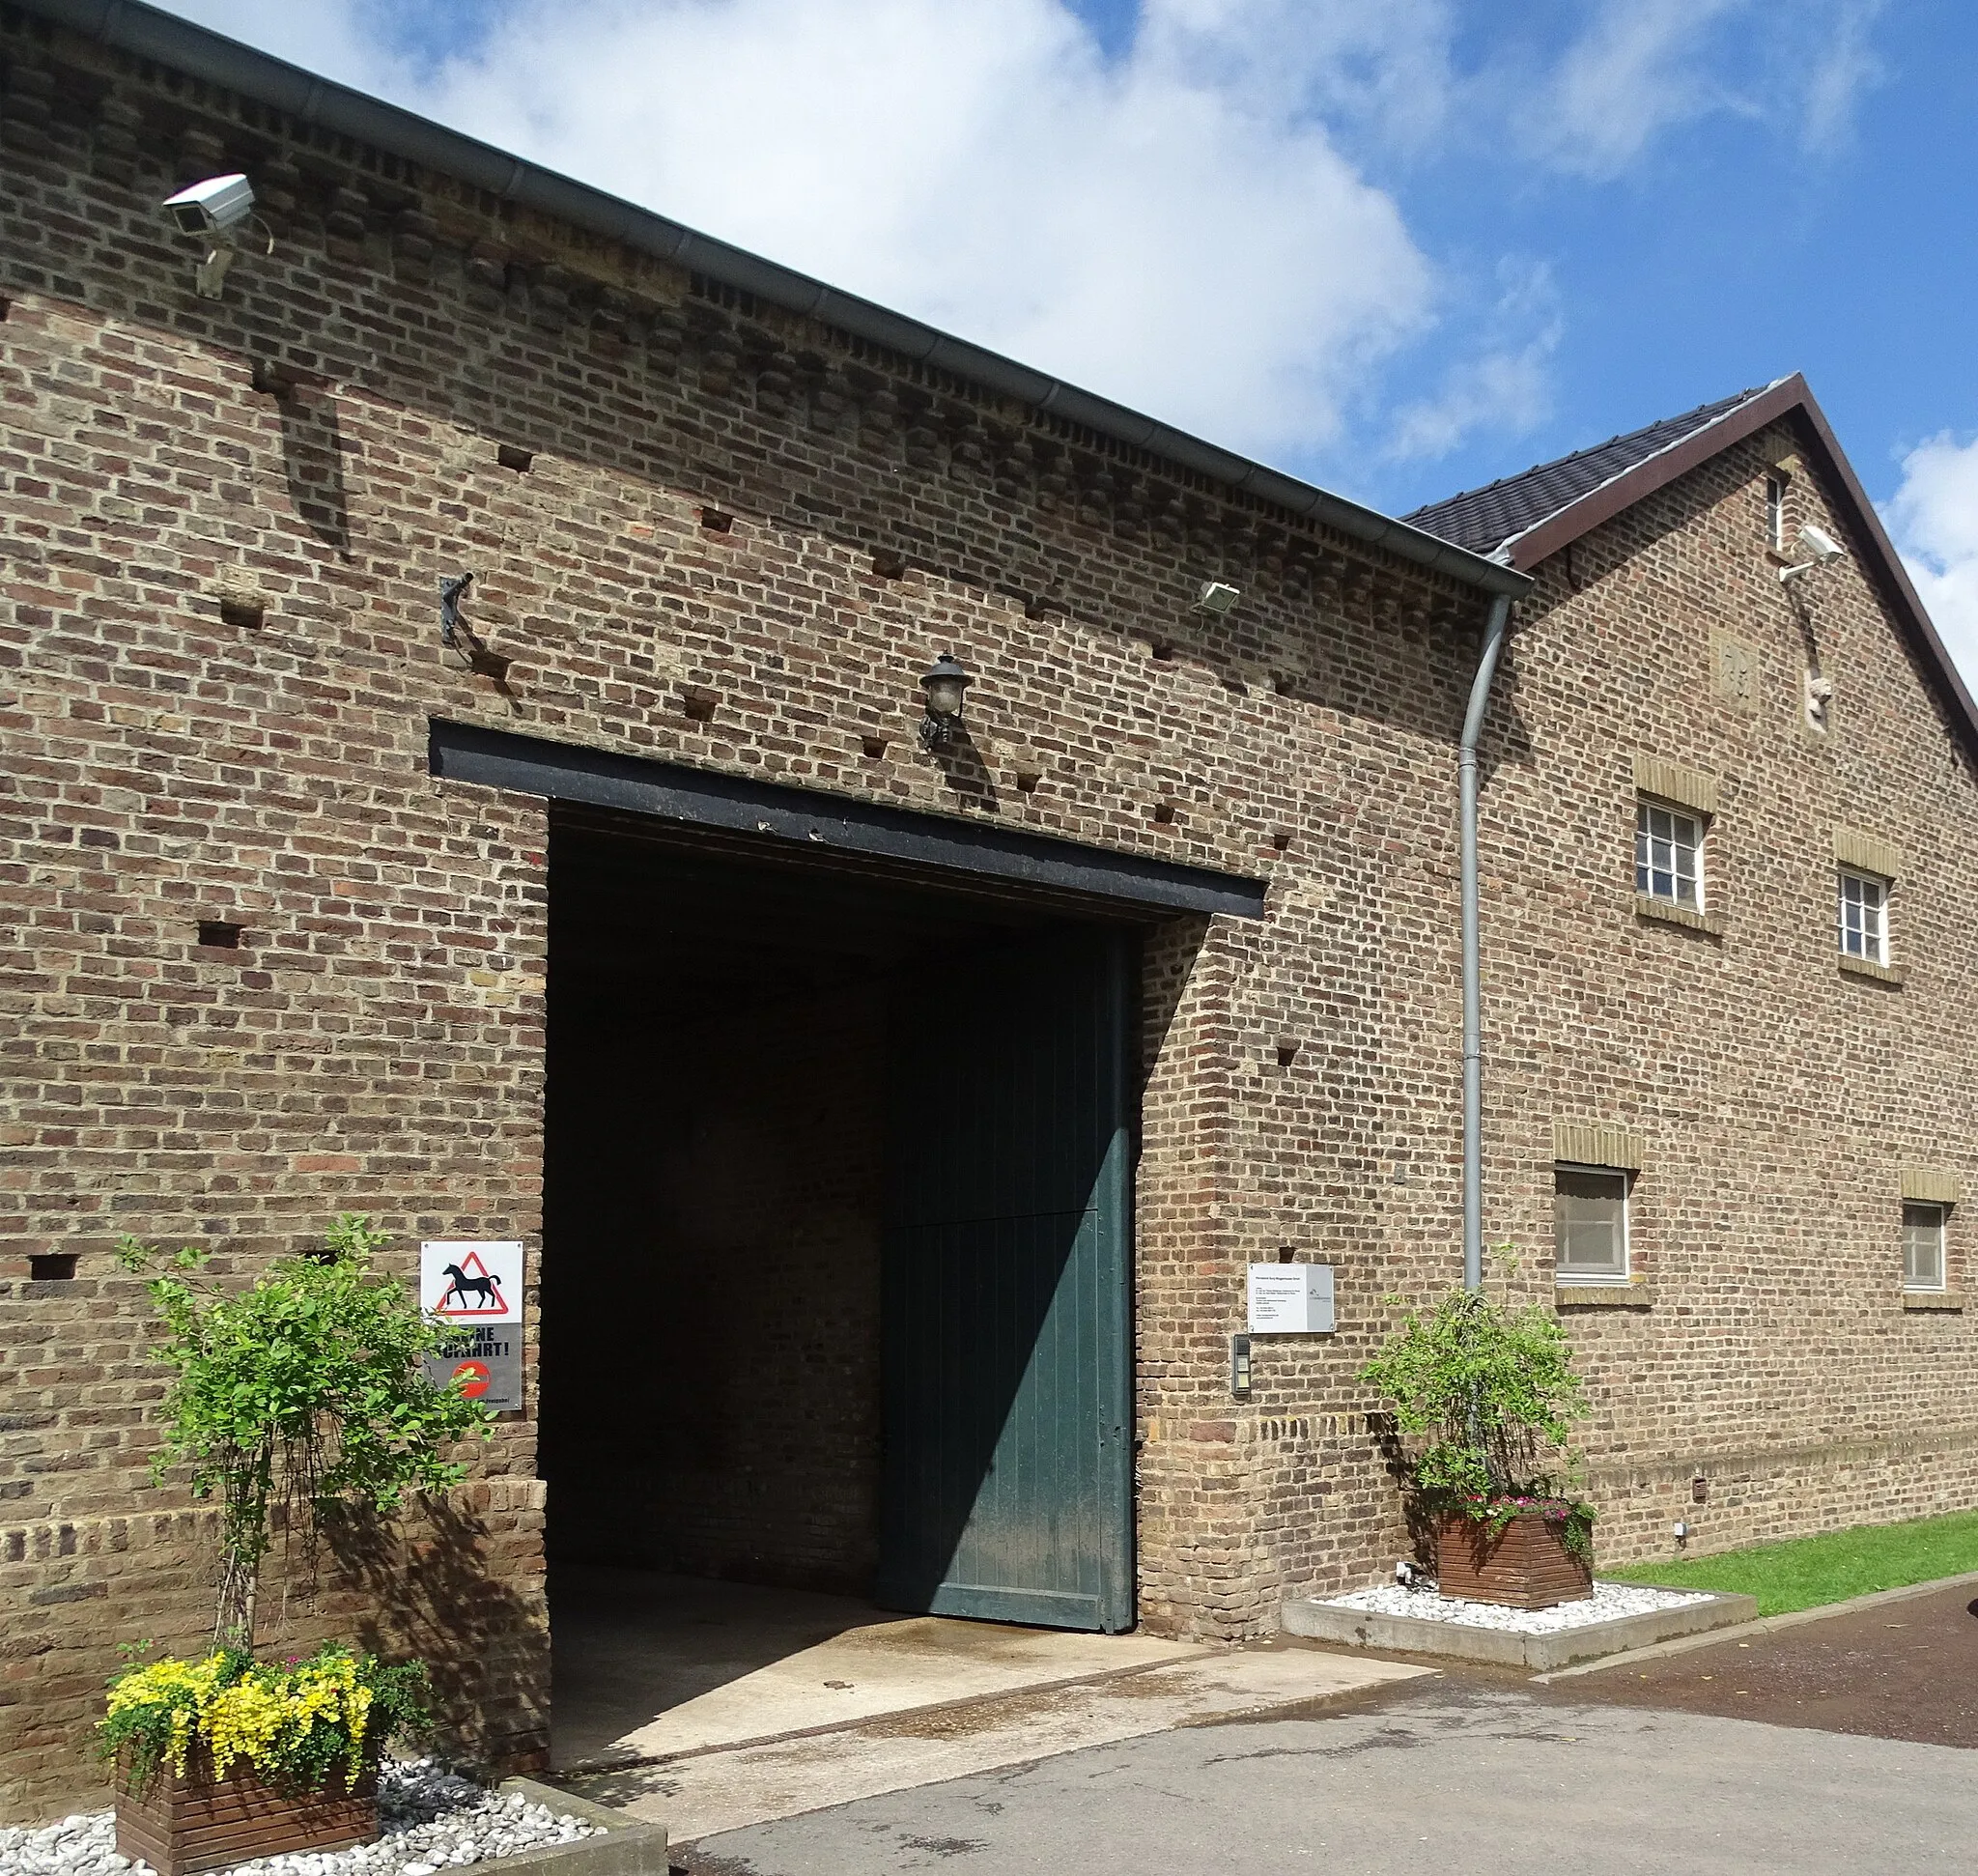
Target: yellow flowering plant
305 1726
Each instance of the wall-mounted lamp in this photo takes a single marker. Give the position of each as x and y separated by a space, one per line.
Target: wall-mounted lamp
943 681
1216 596
217 207
1823 548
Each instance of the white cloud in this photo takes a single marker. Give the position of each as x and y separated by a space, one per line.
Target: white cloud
1505 386
1842 68
1174 228
1934 518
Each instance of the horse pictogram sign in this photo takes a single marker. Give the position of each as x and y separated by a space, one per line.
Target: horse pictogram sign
470 1284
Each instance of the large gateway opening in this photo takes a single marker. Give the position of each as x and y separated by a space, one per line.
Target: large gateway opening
835 1269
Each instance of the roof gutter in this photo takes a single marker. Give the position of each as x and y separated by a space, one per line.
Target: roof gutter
146 33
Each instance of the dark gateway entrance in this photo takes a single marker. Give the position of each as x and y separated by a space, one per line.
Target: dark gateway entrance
836 1267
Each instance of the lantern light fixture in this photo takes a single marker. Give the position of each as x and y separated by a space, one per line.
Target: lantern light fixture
1217 596
943 681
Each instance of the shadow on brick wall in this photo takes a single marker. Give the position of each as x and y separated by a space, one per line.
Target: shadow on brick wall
438 1593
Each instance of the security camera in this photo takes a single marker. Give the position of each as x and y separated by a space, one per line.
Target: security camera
1826 549
1823 548
214 207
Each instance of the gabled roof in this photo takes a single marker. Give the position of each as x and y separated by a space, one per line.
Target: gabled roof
1525 518
1485 520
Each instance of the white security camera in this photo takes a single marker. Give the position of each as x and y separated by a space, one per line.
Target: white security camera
1823 548
1826 549
214 207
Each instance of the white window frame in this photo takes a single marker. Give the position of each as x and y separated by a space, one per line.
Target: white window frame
1941 1225
1562 1271
1872 897
1775 513
1646 808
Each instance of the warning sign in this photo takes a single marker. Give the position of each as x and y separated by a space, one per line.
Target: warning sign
488 1369
470 1284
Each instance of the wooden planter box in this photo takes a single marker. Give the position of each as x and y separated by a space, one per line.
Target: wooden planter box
200 1821
1525 1566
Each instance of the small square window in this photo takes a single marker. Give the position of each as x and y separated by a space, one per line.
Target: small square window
1669 855
1589 1225
1923 1233
1864 926
1775 513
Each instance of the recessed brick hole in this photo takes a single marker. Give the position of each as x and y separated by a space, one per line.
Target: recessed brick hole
874 747
1286 1255
700 705
1164 813
1284 683
1163 652
510 457
1026 780
5 307
717 520
1282 839
1287 1053
51 1267
219 934
248 615
889 566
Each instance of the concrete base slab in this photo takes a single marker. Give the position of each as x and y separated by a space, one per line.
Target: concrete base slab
711 1792
651 1667
1322 1621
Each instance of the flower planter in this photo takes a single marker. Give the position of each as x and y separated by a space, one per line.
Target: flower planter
1524 1566
178 1824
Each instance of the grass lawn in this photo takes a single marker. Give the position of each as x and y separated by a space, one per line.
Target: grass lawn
1808 1571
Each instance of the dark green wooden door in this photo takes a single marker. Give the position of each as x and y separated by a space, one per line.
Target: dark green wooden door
1007 1483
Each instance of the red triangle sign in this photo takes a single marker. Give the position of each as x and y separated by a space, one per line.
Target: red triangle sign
471 1291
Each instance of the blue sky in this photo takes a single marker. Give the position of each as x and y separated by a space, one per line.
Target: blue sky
1400 246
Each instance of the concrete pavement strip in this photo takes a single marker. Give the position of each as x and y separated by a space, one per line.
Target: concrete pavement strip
1762 1626
710 1792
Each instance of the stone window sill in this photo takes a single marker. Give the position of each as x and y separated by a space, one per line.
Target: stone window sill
1951 1301
1868 967
1670 913
1635 1294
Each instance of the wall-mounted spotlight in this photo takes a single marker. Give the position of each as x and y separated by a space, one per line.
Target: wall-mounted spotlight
943 681
1823 548
1216 596
218 209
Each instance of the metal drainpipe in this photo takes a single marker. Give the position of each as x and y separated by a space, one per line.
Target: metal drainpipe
1473 1020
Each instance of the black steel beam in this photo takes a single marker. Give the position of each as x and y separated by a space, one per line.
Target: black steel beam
799 819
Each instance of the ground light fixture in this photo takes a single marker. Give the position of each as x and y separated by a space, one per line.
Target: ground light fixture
943 681
218 209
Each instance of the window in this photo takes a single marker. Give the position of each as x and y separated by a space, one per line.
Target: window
1864 916
1775 513
1589 1225
1923 1246
1669 855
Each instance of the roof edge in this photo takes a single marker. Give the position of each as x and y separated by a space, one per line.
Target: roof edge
145 32
1790 398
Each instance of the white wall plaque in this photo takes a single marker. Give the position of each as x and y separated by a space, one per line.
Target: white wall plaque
470 1284
1290 1300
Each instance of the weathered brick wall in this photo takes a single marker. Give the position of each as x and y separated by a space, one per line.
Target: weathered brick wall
1777 1098
224 528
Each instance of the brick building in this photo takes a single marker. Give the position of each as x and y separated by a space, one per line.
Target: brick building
892 1107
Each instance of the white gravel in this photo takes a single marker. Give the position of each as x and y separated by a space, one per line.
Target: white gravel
1607 1602
431 1820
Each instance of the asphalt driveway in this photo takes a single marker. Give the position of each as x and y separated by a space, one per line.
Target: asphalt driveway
1458 1772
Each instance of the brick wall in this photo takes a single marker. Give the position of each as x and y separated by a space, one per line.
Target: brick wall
224 530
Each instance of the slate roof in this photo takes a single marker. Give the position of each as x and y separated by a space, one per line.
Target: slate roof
1482 520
